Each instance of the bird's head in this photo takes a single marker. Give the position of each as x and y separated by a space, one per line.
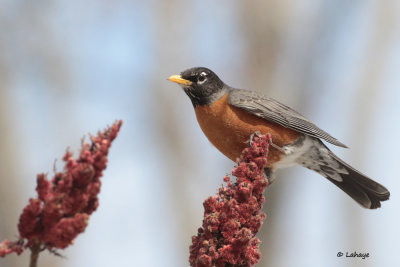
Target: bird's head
201 85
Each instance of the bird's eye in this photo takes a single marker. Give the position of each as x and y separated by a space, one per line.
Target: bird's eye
202 77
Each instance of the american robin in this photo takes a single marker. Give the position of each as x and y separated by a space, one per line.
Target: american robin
228 117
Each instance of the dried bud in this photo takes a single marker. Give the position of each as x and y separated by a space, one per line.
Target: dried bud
233 217
61 210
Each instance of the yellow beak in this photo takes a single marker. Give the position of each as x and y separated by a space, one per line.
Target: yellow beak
178 79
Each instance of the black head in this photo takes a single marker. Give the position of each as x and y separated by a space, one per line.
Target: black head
201 85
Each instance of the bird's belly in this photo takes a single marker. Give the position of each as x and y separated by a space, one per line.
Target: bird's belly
229 128
294 151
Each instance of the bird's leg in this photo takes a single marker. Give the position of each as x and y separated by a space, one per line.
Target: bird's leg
269 175
257 133
276 147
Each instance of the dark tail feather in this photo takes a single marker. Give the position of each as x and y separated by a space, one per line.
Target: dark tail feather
362 189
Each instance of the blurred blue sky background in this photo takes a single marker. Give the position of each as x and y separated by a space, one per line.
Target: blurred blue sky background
68 68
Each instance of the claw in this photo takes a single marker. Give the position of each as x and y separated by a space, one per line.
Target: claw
256 133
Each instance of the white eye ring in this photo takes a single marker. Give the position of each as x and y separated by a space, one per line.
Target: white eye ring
202 78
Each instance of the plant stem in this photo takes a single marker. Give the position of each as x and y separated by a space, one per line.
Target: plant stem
35 249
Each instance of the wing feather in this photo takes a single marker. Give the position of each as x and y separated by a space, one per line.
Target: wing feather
274 111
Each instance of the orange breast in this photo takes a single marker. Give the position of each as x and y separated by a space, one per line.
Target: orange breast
228 128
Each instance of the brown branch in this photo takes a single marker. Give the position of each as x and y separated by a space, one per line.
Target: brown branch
35 249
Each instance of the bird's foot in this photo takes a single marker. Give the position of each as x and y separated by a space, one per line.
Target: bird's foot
256 133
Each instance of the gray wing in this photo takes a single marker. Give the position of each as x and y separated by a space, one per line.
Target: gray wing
274 111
